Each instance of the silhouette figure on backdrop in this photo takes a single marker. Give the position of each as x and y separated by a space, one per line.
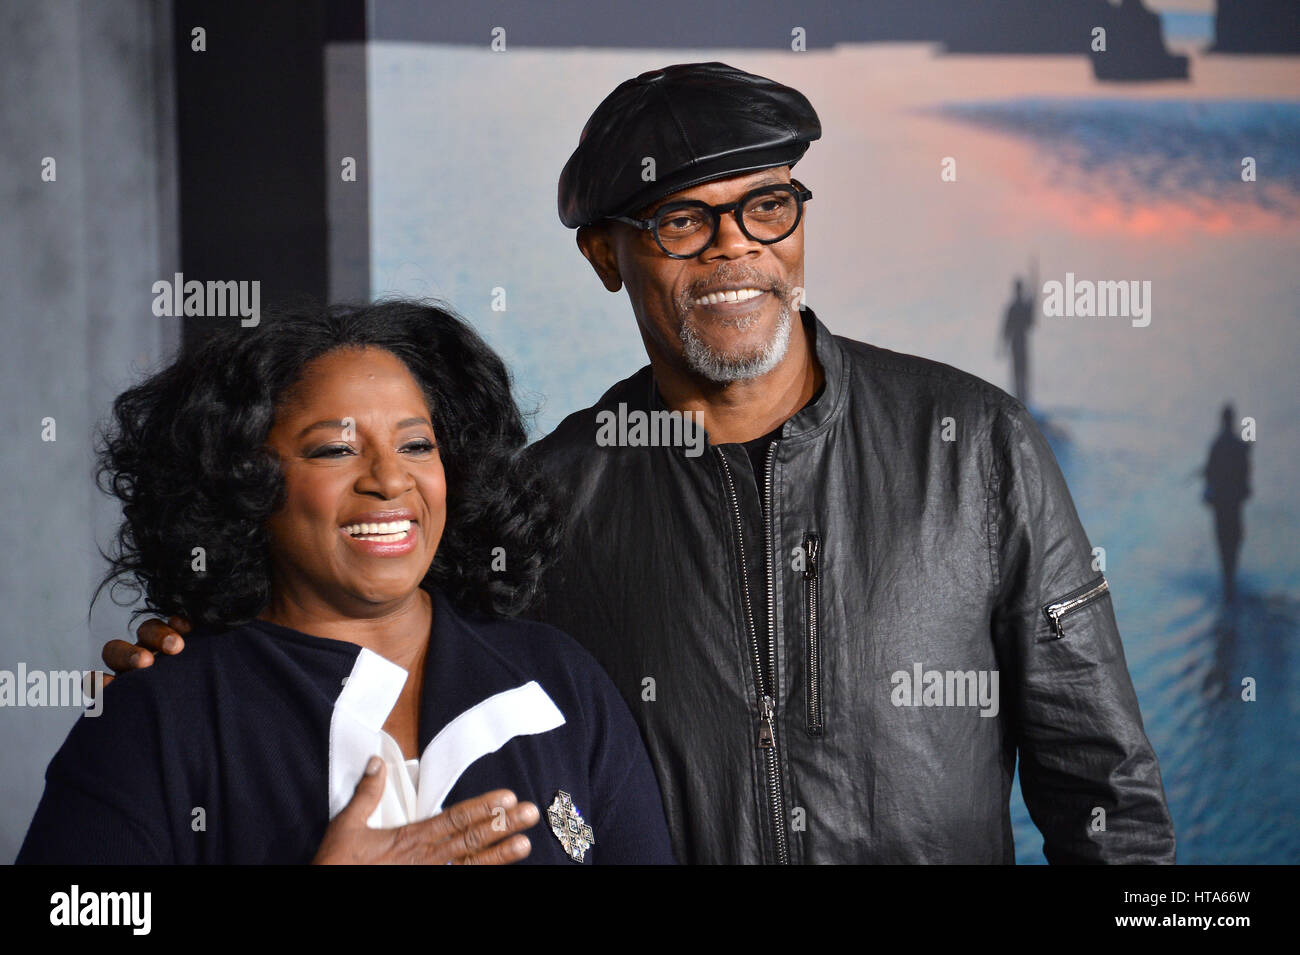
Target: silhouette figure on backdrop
1227 485
1015 335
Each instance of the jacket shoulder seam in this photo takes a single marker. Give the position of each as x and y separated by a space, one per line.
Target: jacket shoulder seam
918 366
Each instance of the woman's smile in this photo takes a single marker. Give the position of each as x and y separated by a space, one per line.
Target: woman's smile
383 533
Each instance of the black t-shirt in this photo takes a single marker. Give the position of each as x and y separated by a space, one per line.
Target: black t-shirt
757 450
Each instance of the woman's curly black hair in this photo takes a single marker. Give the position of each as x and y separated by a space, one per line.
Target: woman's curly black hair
186 454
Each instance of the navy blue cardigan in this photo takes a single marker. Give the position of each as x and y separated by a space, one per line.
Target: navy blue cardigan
224 753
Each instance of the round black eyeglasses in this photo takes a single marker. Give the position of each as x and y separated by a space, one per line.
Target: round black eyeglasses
685 229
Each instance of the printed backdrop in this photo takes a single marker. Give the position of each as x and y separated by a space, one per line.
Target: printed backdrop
1056 172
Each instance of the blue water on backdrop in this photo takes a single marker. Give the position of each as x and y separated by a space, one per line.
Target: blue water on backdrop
1231 768
1187 25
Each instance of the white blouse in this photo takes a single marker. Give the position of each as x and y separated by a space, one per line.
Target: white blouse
401 799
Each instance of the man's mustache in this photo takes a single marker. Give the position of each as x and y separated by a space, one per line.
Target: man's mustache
752 279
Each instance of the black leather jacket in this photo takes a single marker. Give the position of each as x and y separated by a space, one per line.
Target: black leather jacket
917 522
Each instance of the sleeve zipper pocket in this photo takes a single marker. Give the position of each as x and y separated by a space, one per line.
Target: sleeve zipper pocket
1076 599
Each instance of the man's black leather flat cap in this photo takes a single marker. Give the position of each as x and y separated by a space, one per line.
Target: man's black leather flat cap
696 121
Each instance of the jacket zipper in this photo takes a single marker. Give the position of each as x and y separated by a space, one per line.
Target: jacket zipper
812 554
767 741
1074 600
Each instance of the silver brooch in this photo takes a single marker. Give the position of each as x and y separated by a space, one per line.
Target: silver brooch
566 822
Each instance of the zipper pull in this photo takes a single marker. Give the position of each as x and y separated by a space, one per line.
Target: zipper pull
766 734
812 547
1056 612
1056 616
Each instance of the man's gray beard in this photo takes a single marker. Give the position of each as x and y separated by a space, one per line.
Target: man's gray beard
722 367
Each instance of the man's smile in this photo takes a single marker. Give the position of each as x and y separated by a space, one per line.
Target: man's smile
725 297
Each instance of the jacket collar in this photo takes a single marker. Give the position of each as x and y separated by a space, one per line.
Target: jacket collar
831 357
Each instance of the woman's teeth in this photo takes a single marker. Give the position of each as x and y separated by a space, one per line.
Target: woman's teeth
735 295
385 533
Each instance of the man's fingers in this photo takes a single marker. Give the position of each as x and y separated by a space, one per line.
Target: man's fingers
123 657
179 624
159 637
154 636
370 790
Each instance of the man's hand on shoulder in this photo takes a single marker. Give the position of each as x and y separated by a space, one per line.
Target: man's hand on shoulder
154 637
